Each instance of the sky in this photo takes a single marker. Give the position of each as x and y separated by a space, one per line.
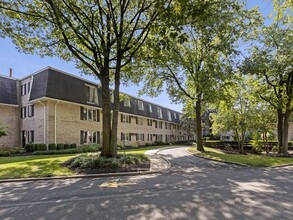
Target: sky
25 64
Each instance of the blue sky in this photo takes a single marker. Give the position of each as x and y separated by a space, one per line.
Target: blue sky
24 64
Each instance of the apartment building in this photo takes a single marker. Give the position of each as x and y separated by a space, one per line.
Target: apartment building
51 106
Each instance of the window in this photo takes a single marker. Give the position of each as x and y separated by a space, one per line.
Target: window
175 115
89 114
159 111
96 137
23 112
169 115
83 137
30 136
150 107
139 121
139 137
91 94
160 124
125 137
156 124
127 103
23 89
30 110
140 105
125 118
150 122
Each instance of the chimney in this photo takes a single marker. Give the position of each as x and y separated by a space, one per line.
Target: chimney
10 72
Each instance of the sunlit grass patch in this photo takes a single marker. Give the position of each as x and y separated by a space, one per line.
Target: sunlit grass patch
33 166
250 160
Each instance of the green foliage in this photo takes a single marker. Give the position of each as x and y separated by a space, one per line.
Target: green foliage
66 146
92 161
5 152
42 147
60 146
250 160
33 166
2 132
82 149
52 147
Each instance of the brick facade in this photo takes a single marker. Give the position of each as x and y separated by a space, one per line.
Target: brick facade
49 112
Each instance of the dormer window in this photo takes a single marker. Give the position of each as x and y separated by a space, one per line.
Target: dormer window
150 107
140 105
159 110
91 94
127 103
169 115
175 116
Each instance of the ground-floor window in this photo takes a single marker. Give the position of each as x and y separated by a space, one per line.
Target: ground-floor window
139 137
96 137
125 137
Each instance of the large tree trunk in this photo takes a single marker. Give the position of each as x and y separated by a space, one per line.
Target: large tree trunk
114 133
105 81
241 146
286 132
280 130
198 124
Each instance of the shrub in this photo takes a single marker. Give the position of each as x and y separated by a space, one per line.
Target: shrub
257 146
35 147
42 147
83 149
148 144
92 161
158 143
52 147
4 152
72 146
28 147
60 146
66 146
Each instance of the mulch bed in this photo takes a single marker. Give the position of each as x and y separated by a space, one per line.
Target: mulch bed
145 166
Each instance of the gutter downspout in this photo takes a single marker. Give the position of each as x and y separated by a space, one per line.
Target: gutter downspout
44 120
55 122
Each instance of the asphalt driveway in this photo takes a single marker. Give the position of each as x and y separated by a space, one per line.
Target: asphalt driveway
193 188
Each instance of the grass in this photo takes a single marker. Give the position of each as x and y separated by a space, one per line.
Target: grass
45 165
250 160
140 150
33 166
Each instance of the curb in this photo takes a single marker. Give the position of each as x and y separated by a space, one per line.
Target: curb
81 176
227 162
95 175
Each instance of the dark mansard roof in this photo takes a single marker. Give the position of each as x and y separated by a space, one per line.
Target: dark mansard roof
56 84
8 91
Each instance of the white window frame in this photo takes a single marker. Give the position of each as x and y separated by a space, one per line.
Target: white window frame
150 107
175 115
30 110
92 96
140 105
159 110
127 103
169 115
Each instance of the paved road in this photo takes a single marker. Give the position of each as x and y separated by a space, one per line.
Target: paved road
193 188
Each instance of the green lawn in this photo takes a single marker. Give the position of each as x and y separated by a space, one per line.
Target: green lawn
140 150
33 166
251 160
45 165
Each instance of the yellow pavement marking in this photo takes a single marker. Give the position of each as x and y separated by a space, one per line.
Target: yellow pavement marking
115 184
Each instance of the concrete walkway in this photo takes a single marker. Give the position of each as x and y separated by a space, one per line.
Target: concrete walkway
158 163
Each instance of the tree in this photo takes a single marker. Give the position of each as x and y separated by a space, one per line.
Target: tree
100 36
193 56
236 112
2 132
271 63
